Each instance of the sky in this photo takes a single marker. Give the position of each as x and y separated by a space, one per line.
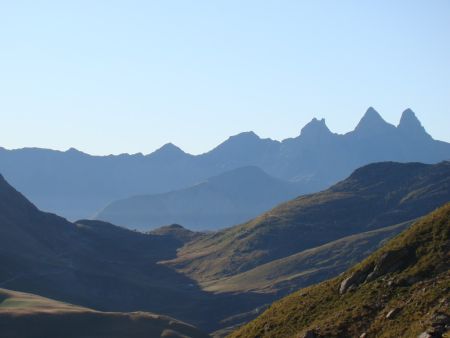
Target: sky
129 76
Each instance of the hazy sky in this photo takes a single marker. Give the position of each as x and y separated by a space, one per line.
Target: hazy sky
128 76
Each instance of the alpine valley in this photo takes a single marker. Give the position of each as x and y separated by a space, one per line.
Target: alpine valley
321 235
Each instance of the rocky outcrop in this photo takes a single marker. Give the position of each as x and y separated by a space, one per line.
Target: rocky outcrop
392 313
440 323
355 279
310 334
390 261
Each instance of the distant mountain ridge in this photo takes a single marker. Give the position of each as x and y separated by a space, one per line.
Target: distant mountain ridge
223 200
77 185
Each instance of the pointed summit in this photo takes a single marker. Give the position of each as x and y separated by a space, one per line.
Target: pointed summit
315 128
240 141
409 119
170 147
168 151
246 135
410 124
372 122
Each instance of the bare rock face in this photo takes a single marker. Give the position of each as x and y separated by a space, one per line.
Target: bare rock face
390 261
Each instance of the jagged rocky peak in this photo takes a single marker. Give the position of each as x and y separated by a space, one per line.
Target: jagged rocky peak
315 128
410 124
372 122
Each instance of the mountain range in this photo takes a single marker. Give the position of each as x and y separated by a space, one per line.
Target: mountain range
77 185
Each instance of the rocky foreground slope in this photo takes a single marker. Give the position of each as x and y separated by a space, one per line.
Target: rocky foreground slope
402 290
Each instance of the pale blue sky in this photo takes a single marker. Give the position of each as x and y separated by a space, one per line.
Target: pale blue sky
128 76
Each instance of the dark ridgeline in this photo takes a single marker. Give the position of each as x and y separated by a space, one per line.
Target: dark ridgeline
77 185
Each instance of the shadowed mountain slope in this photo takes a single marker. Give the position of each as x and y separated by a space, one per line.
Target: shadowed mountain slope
24 315
402 290
373 197
77 185
101 266
224 200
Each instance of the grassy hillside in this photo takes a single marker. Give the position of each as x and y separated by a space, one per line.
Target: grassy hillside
177 233
373 197
307 267
24 315
401 290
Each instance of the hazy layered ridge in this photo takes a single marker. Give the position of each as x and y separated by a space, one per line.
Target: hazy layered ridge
224 200
399 291
77 185
24 315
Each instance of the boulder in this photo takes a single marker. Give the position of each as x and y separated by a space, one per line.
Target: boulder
392 261
391 314
310 334
355 279
440 319
425 335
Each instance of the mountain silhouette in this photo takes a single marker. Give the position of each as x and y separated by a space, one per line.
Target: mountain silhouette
77 185
224 200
